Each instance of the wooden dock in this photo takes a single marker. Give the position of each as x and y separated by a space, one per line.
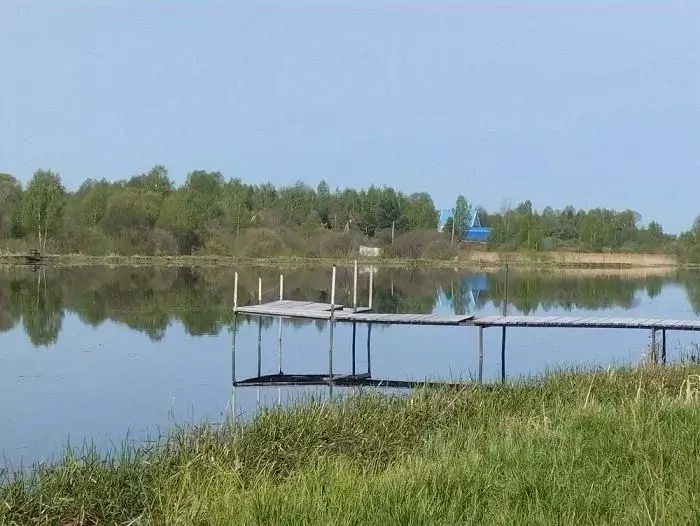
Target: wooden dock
336 313
339 313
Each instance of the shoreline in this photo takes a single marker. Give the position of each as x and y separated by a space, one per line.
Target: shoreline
466 260
424 458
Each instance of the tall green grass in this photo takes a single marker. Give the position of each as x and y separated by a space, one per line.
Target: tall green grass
605 447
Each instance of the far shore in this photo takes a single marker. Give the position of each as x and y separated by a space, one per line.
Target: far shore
483 260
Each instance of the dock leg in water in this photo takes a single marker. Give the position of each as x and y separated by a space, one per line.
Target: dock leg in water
369 350
663 346
481 353
503 355
233 328
280 325
331 327
354 359
259 329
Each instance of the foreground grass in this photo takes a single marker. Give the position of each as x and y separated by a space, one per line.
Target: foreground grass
607 447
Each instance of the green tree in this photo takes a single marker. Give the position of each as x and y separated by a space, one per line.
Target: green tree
323 204
418 212
42 206
94 202
296 203
235 205
155 180
460 216
10 203
131 209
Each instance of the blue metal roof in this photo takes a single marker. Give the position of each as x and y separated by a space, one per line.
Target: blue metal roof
473 232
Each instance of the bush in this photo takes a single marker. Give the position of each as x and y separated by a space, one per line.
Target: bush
260 243
338 244
421 244
87 240
220 243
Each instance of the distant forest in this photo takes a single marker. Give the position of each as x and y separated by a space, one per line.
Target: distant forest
149 215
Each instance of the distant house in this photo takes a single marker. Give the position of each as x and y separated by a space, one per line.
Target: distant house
474 232
370 252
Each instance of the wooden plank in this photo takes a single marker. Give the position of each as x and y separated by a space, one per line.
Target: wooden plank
406 319
319 306
286 313
297 304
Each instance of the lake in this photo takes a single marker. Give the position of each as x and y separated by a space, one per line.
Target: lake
104 355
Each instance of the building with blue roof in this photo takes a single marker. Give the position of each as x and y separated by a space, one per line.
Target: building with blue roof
473 232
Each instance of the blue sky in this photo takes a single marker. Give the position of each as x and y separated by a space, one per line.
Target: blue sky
585 103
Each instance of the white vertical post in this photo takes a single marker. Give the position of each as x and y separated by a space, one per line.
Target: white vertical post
354 288
333 290
281 286
259 289
371 284
235 292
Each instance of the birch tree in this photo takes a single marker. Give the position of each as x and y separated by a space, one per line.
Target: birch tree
42 206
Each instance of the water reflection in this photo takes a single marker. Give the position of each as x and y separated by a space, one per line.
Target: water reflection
136 350
149 299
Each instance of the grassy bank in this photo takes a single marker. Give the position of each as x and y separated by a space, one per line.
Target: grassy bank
465 259
609 447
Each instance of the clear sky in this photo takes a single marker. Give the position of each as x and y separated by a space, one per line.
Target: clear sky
589 103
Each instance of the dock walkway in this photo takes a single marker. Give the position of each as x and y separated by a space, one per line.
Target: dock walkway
340 313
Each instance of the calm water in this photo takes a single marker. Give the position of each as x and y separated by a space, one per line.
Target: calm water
102 355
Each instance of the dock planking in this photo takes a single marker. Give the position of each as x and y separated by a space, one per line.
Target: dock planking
341 313
587 323
404 319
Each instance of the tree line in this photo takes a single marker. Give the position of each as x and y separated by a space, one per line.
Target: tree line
148 214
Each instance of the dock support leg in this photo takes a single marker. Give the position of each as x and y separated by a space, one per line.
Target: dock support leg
233 350
260 346
654 354
233 328
503 354
369 350
481 353
331 327
280 325
259 329
663 346
354 334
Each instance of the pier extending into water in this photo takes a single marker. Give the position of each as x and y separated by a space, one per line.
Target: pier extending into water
358 314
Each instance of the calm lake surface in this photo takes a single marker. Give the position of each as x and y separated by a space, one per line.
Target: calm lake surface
109 354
